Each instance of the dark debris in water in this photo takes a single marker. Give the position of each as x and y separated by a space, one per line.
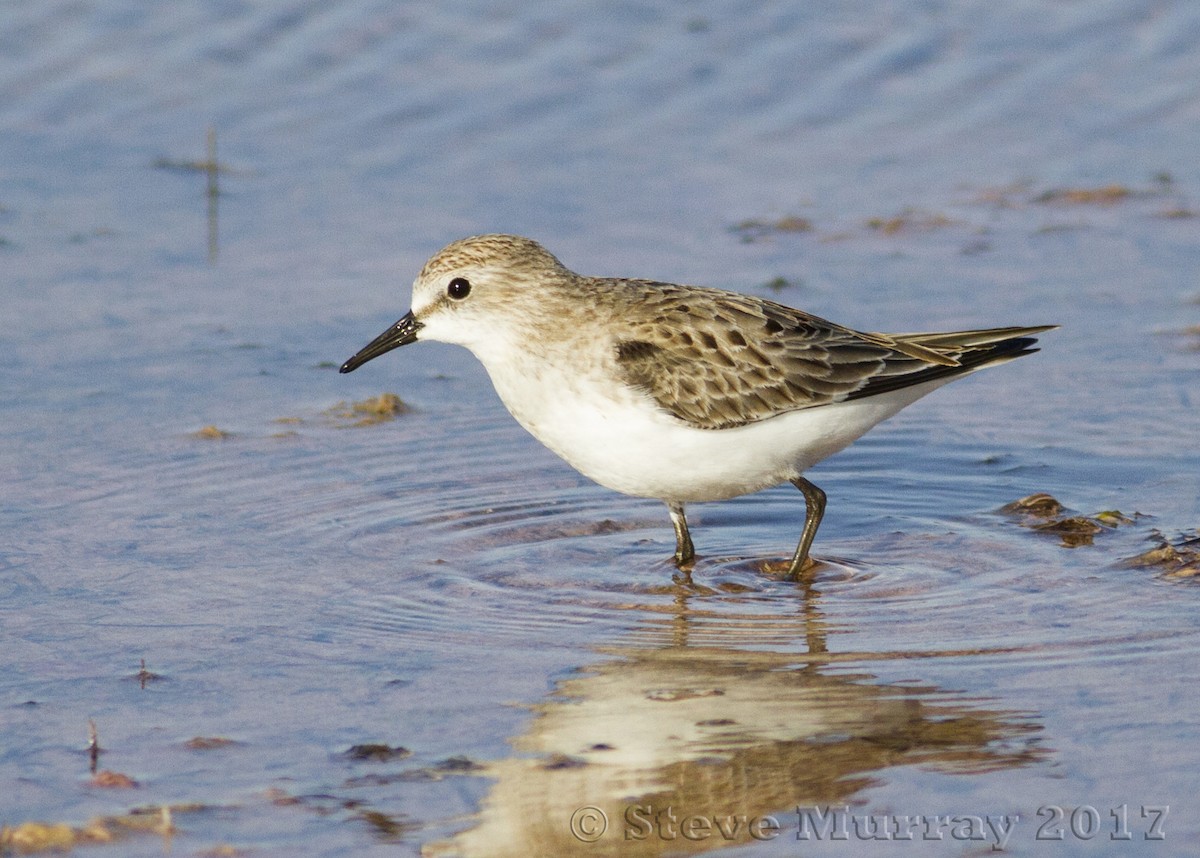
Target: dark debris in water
224 850
1040 504
191 165
211 433
348 415
387 827
1188 337
1043 513
377 752
755 229
107 779
458 765
909 220
1162 189
1105 195
1175 560
670 695
779 283
93 748
556 762
368 412
145 677
208 164
31 838
209 743
1074 530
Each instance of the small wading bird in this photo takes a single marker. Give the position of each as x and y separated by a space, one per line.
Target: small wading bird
679 393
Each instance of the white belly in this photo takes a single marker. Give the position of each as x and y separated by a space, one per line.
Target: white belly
620 439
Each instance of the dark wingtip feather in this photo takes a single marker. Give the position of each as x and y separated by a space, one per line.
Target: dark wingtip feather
970 360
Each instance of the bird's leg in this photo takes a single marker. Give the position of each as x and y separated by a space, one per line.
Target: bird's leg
684 552
814 504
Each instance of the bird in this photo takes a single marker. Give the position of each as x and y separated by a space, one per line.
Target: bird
675 392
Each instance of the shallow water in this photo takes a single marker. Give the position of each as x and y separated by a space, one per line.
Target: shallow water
440 582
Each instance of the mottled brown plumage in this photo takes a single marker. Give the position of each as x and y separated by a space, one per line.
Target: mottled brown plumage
719 359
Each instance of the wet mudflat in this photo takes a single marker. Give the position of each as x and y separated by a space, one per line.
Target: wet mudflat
250 606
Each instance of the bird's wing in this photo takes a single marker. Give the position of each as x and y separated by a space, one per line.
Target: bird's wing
718 359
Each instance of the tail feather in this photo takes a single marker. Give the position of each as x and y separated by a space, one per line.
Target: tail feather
953 340
962 352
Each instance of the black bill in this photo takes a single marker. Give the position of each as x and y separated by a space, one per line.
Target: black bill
400 334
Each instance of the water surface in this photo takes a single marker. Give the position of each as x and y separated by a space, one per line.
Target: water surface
300 585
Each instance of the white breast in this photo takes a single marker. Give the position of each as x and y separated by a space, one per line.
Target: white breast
621 439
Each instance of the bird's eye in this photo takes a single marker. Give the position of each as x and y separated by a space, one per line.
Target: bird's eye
459 288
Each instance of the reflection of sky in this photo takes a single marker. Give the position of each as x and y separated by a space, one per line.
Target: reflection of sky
579 125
